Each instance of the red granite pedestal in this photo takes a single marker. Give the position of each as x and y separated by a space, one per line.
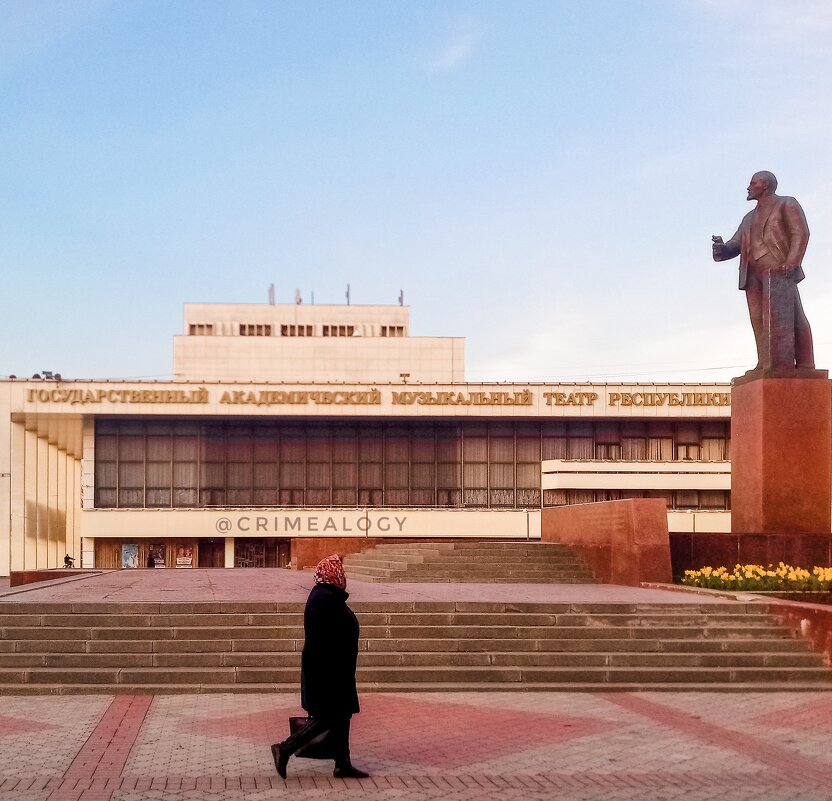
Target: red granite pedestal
781 470
622 542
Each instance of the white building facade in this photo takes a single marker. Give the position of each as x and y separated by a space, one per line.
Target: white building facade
270 439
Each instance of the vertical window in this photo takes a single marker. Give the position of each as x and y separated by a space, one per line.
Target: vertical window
292 478
501 465
318 465
528 465
397 466
266 460
475 465
239 465
370 465
423 467
159 465
344 466
131 456
106 464
185 465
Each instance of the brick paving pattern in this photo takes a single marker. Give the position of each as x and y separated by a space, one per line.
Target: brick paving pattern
484 746
461 746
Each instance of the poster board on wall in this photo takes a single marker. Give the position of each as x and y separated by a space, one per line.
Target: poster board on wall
184 556
130 556
156 555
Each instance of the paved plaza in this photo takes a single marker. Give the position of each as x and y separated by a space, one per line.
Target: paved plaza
481 746
466 746
205 586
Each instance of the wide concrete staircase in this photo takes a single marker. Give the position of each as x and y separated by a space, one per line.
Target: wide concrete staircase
470 562
405 646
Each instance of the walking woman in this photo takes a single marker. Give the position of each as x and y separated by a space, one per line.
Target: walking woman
327 677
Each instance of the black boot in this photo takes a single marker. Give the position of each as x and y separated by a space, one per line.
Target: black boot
346 770
281 759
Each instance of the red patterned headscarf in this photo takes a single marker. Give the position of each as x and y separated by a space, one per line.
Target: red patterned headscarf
331 571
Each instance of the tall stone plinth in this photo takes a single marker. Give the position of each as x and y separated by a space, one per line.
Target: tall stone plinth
781 468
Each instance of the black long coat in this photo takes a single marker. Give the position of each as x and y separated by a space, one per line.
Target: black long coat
330 652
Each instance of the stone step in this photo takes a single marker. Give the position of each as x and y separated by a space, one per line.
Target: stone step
426 687
533 675
264 626
475 545
389 606
449 644
473 576
463 556
485 569
422 659
450 674
458 558
451 559
217 626
358 565
498 562
379 567
679 617
531 632
420 629
426 557
455 564
404 644
149 689
629 645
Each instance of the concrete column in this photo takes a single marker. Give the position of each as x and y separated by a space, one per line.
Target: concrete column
86 487
41 503
73 505
87 552
51 502
64 541
17 515
229 551
6 461
30 496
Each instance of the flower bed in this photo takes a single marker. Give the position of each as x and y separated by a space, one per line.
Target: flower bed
751 578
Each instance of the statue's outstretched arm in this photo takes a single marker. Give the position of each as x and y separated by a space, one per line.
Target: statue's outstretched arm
722 251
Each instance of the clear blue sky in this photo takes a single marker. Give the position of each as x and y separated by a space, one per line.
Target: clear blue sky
540 177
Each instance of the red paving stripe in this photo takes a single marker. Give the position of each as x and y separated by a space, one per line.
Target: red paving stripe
101 760
783 760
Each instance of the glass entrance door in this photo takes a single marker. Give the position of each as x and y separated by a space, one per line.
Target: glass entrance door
266 552
249 553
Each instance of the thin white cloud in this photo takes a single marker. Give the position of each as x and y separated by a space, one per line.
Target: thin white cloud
802 25
457 48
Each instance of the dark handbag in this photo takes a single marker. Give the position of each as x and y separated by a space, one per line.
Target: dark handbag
319 747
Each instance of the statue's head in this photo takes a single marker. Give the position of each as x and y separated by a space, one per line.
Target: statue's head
762 183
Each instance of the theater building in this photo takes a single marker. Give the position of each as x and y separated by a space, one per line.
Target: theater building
293 429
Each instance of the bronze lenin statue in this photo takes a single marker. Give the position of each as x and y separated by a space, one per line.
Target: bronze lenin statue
770 242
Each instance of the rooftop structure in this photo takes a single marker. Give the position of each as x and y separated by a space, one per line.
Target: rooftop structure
309 343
